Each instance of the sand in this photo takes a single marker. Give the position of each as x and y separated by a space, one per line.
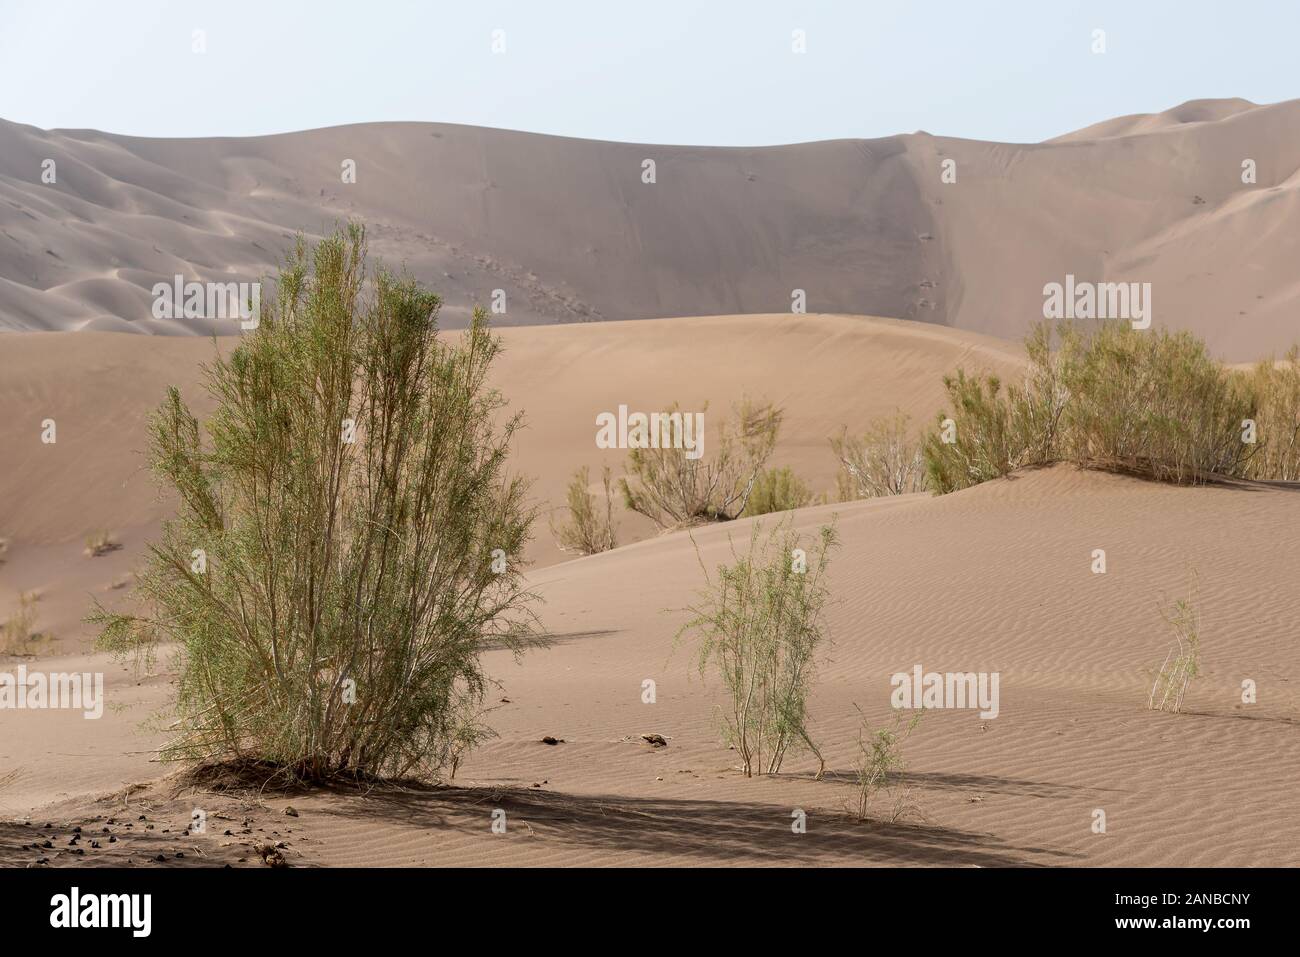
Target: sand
569 232
992 579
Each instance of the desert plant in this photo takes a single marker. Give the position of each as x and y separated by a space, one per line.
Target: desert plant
1152 403
759 624
1182 663
980 445
1108 396
587 531
18 633
347 541
885 460
880 765
674 491
4 549
1275 387
777 490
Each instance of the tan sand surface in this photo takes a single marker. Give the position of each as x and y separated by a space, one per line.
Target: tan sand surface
996 578
569 232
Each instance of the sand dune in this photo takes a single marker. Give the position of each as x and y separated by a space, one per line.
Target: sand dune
570 232
995 578
913 577
826 371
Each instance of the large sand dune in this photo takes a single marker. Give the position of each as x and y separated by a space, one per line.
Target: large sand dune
570 232
99 388
995 578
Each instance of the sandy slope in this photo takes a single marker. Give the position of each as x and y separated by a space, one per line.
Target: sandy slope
996 578
570 232
826 371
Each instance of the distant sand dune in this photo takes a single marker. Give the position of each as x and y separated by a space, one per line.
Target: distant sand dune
567 229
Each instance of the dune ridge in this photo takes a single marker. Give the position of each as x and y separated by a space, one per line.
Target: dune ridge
569 232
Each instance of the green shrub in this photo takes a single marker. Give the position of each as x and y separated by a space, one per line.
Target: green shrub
1146 402
587 530
675 491
880 766
777 490
348 540
760 626
1151 403
985 443
1275 387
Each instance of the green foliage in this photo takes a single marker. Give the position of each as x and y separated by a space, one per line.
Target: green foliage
587 531
675 491
1275 387
1150 403
759 625
777 490
1145 402
1182 664
880 765
18 633
330 577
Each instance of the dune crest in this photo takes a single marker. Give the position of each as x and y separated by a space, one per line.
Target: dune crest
565 228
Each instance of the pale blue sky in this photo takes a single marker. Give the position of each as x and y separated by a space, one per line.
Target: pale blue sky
717 72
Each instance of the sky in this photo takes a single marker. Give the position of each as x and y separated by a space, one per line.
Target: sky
705 72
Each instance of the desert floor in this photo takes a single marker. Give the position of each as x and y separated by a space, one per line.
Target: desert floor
997 578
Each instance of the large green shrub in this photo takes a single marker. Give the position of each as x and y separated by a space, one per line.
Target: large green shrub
347 540
1151 403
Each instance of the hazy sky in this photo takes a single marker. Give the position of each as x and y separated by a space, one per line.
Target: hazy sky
719 72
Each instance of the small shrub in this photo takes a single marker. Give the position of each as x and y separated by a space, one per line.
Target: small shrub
1182 663
880 766
100 543
886 460
588 531
674 491
18 634
777 490
4 549
760 626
